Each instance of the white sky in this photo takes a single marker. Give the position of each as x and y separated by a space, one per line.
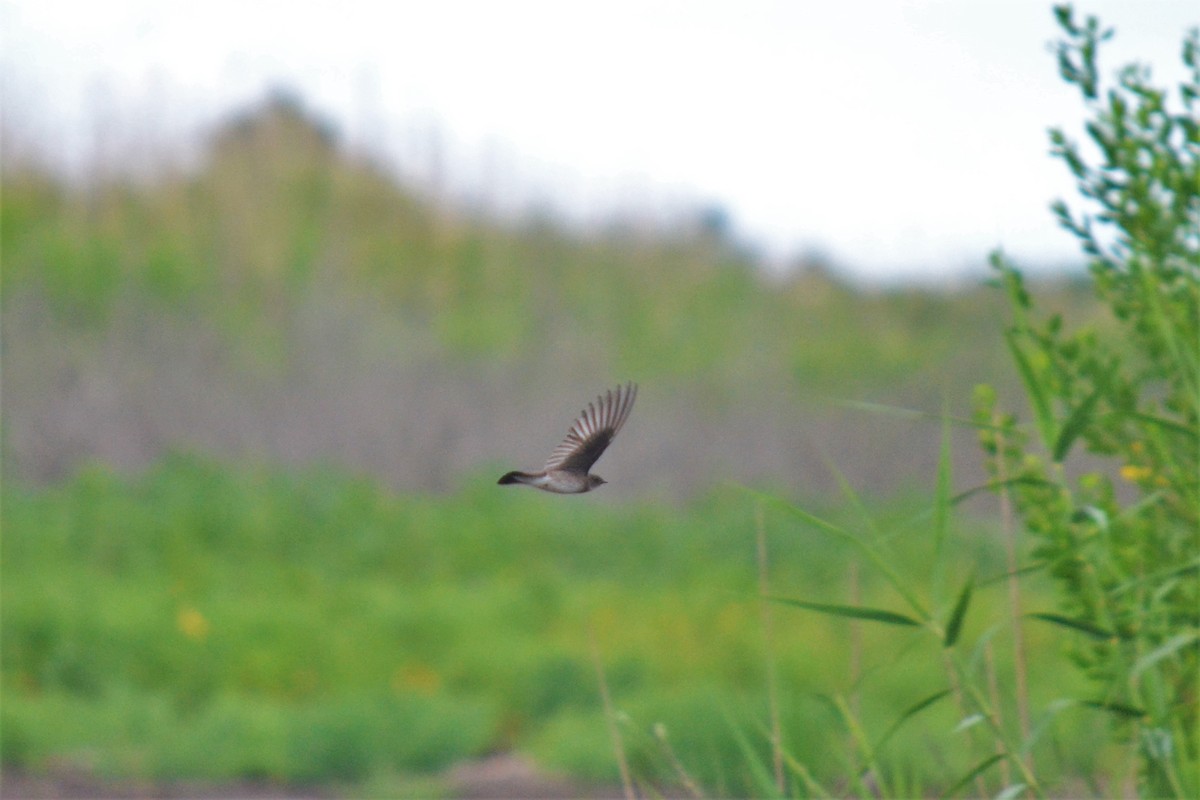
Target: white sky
899 138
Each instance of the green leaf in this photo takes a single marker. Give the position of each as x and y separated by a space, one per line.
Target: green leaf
1045 723
854 612
1075 424
1019 571
1080 625
968 722
1035 389
1014 287
1120 709
941 510
909 713
954 626
1090 513
992 486
970 776
1168 648
1169 425
1010 792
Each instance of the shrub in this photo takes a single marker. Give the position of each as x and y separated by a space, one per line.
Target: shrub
1122 542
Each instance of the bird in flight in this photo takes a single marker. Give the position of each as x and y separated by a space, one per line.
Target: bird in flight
566 471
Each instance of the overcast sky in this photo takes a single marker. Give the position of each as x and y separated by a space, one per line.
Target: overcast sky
898 138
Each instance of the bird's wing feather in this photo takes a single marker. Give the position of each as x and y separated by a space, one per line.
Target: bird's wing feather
593 431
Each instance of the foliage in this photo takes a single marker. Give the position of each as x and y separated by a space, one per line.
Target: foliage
1125 557
202 621
989 749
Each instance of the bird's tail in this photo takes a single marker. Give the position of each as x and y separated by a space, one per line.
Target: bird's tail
515 477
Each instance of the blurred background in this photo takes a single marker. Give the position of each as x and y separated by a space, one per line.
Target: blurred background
286 288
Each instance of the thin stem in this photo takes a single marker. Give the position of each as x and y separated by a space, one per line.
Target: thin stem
957 690
994 692
768 625
660 733
1012 752
611 718
1020 665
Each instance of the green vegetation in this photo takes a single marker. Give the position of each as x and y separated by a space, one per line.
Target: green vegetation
278 219
1125 567
217 620
1125 564
212 622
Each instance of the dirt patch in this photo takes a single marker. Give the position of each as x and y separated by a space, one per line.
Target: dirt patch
64 784
501 777
511 776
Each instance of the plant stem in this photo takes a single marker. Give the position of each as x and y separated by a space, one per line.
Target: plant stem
769 644
1020 666
611 718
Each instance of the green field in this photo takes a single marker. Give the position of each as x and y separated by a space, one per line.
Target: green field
202 621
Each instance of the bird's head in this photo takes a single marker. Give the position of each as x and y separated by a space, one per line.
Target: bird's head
595 480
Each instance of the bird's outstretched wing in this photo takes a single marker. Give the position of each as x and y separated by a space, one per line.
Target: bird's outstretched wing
592 432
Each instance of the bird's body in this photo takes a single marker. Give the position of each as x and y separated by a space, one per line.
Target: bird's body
559 481
566 471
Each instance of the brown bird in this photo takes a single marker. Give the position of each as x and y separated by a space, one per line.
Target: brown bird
566 471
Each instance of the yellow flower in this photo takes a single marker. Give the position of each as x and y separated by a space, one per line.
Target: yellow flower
1135 474
192 624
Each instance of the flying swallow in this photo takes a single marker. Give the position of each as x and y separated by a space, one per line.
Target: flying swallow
566 471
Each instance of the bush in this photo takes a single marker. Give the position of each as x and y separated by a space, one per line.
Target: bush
1123 556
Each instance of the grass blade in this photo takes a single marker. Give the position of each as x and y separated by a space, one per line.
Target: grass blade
1083 626
854 612
942 504
1076 424
796 511
759 771
1043 414
1003 576
909 713
1120 709
880 563
992 486
954 625
979 769
813 786
1045 722
853 498
859 736
1164 650
914 414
